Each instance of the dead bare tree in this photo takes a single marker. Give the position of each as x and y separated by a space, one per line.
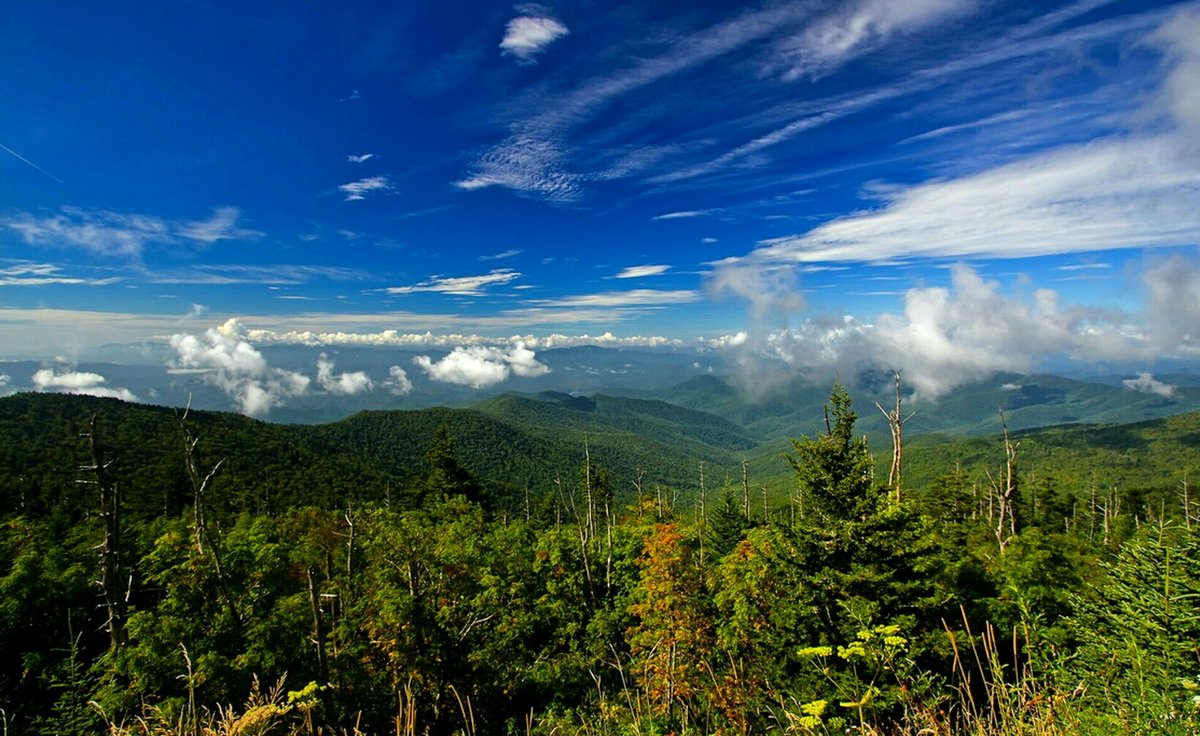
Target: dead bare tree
1006 494
746 489
896 420
204 537
114 583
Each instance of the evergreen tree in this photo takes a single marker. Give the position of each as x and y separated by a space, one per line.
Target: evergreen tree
447 478
834 470
727 525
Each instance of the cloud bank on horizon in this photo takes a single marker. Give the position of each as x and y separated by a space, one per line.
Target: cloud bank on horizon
942 187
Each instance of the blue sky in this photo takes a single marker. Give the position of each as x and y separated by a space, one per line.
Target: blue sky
921 182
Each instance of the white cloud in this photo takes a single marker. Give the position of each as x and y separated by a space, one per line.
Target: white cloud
1148 384
479 366
1180 94
105 233
393 338
1172 305
772 291
221 226
237 368
527 164
344 384
360 158
460 285
637 272
502 255
527 36
77 382
684 215
358 190
1129 191
1119 193
858 27
397 381
632 298
944 338
279 273
45 274
6 387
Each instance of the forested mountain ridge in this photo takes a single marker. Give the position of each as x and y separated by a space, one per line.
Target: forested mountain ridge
1028 402
515 443
366 559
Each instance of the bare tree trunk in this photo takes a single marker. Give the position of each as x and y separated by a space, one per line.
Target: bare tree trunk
1187 504
746 489
1006 496
114 588
203 535
318 630
896 419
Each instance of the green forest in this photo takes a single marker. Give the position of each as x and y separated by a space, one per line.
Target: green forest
591 565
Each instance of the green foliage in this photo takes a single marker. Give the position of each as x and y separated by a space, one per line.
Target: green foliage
1139 636
379 557
834 469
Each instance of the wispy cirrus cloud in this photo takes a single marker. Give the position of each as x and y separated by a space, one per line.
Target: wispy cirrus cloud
537 158
46 274
636 272
356 191
632 298
113 234
459 285
853 29
681 215
527 36
1117 193
223 225
360 158
232 273
529 165
502 255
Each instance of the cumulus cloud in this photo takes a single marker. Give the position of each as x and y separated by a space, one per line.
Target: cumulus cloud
772 290
1148 384
344 384
460 285
1172 305
358 190
945 337
397 381
527 36
105 233
76 382
228 361
481 366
